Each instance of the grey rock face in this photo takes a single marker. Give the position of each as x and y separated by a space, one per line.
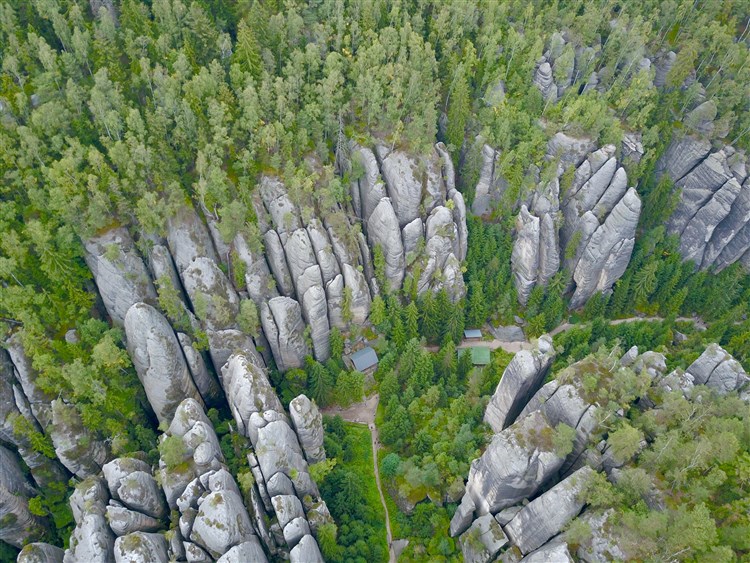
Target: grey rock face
206 383
259 281
717 369
300 256
682 156
92 539
245 552
223 343
40 553
188 239
207 286
306 551
282 323
315 312
570 151
222 522
163 268
335 300
359 307
19 525
512 467
525 256
404 189
287 508
139 491
463 516
119 272
277 262
547 515
608 252
295 531
78 450
413 234
488 188
663 65
278 450
544 82
383 229
368 189
521 379
276 200
601 547
157 357
140 547
329 266
731 238
552 552
308 423
124 521
483 540
248 390
33 398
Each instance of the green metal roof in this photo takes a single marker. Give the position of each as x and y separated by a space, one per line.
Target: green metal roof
480 355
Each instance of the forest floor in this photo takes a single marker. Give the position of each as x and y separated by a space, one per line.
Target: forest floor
364 413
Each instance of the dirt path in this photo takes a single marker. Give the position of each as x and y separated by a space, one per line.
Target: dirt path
364 413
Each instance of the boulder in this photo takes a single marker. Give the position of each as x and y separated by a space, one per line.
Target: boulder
521 379
188 238
567 150
246 552
463 517
555 551
281 209
329 266
259 281
315 312
295 531
525 256
413 235
139 491
717 369
368 189
548 514
19 524
487 191
279 484
75 446
383 230
248 390
212 295
287 508
404 190
483 540
299 256
33 402
223 343
119 272
40 553
335 300
124 521
158 360
277 450
91 540
306 551
544 82
141 547
308 423
282 323
359 306
205 382
515 465
222 522
277 262
607 253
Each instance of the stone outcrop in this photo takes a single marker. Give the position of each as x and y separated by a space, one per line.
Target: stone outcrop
383 230
282 323
718 370
119 272
521 379
483 540
514 466
308 423
78 450
491 185
40 553
712 217
158 359
92 539
19 524
548 514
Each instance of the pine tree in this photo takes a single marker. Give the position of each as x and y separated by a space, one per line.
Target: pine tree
412 321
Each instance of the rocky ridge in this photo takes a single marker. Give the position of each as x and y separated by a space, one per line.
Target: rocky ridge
523 491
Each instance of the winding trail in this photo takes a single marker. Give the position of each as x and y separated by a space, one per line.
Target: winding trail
364 413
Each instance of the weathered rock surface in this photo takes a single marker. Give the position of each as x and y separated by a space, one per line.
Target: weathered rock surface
119 272
308 423
158 359
490 186
140 547
78 450
306 551
548 514
282 323
555 551
139 491
259 281
277 262
222 522
514 466
483 540
248 390
717 369
92 539
245 552
521 379
404 190
19 524
383 229
124 521
40 553
315 313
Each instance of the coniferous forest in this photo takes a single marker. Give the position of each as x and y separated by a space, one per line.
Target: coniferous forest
214 213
